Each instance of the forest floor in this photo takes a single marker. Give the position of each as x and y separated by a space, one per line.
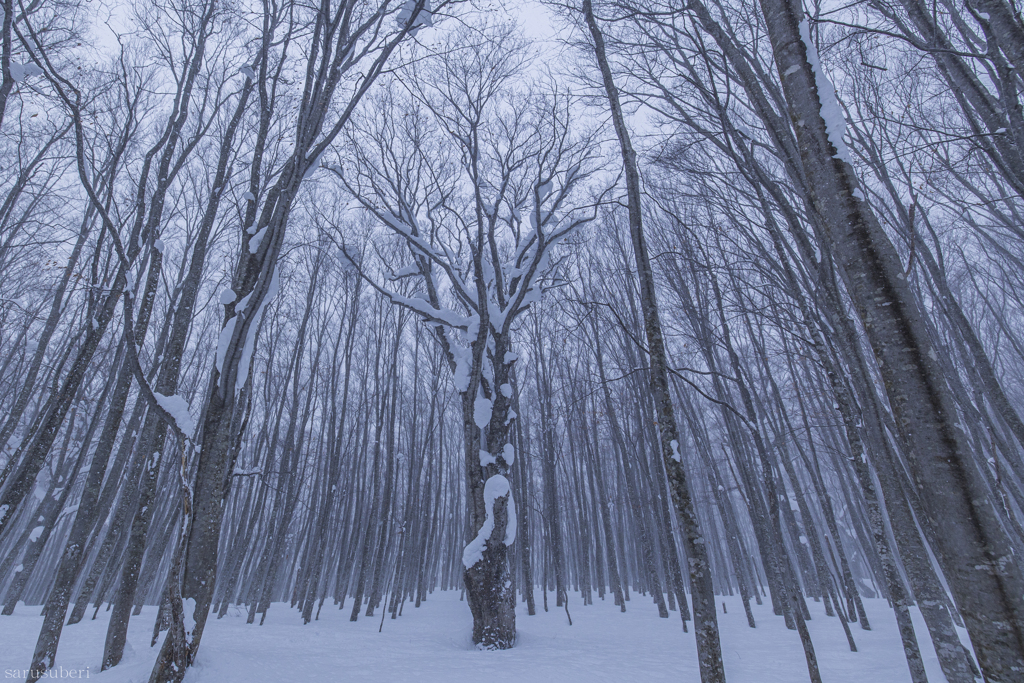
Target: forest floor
432 643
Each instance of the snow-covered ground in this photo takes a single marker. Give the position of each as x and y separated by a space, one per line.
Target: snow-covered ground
432 643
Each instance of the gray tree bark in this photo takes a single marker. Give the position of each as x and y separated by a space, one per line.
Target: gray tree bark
964 529
705 617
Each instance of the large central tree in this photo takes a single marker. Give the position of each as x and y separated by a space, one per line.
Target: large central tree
477 177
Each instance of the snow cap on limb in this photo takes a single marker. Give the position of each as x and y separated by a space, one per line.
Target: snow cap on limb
495 487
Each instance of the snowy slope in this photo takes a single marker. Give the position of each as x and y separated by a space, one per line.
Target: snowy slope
432 643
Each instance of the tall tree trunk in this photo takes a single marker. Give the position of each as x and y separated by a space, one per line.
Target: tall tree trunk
709 649
963 528
492 510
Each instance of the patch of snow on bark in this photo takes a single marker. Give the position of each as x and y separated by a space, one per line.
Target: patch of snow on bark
188 607
462 362
255 240
250 337
314 164
242 303
223 341
482 409
512 528
835 122
495 487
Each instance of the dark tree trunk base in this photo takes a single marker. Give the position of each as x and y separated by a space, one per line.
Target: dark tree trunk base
492 602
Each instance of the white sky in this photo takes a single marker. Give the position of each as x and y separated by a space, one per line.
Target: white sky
108 18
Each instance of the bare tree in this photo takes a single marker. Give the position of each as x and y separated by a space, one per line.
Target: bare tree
709 648
972 547
481 223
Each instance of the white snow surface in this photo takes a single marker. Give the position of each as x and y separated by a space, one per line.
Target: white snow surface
433 643
19 72
424 18
406 271
178 408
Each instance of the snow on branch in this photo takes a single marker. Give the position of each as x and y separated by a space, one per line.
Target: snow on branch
436 315
178 408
